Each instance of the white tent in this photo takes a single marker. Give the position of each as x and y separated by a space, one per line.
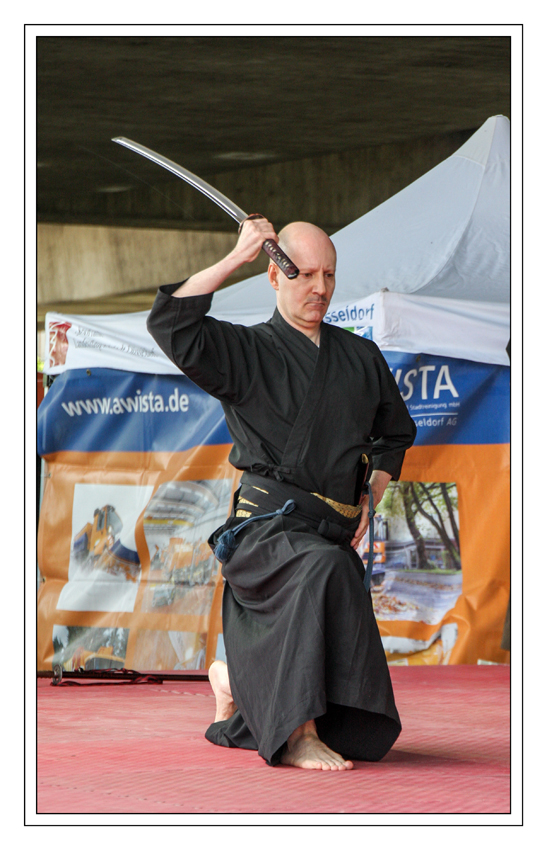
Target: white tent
427 271
435 259
446 235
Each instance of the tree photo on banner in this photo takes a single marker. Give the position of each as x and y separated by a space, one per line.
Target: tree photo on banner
417 573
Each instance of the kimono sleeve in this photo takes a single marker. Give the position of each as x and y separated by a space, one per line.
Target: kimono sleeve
394 430
211 353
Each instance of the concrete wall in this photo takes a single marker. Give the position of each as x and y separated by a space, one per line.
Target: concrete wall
83 262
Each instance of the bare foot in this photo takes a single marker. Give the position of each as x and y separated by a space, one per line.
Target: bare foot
305 749
220 682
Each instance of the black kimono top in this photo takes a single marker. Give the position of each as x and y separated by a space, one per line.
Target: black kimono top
295 411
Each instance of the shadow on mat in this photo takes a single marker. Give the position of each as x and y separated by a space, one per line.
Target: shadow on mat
407 757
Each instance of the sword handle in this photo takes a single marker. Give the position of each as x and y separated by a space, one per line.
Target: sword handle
279 257
275 253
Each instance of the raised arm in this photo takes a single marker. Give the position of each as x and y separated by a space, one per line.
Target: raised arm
253 234
213 354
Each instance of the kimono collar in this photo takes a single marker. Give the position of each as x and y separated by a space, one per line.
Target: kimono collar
284 328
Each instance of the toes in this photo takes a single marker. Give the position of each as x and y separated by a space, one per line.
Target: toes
310 753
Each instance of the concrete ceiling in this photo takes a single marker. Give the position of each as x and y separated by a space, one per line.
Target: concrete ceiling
217 104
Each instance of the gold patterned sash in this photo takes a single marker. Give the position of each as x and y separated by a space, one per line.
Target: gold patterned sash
349 511
245 514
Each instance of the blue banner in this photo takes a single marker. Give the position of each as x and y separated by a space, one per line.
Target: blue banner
92 410
456 402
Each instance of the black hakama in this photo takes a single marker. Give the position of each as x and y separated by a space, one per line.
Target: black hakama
300 625
301 639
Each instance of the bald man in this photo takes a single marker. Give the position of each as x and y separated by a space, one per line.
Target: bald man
306 681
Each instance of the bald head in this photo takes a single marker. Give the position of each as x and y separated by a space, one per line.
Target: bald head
300 234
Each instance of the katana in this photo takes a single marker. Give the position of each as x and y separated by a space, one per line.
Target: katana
270 247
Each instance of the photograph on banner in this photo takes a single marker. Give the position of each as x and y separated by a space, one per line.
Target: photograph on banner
169 650
417 571
104 569
178 521
85 648
57 343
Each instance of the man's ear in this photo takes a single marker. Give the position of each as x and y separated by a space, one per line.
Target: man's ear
273 275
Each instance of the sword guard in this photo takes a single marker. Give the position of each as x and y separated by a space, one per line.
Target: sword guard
253 215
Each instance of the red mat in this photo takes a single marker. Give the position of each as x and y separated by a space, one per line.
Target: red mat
119 748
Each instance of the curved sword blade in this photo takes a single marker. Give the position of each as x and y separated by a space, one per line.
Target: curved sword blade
221 200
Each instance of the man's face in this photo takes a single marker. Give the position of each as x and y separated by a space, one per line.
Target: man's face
304 300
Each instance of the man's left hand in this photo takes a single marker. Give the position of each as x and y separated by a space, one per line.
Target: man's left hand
378 482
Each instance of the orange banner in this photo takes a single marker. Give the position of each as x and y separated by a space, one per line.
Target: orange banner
148 603
127 578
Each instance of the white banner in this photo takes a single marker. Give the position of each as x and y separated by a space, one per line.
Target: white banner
467 330
113 342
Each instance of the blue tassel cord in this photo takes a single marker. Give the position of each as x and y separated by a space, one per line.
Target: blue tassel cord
227 543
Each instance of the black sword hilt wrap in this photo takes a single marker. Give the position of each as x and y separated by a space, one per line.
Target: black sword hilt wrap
275 253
